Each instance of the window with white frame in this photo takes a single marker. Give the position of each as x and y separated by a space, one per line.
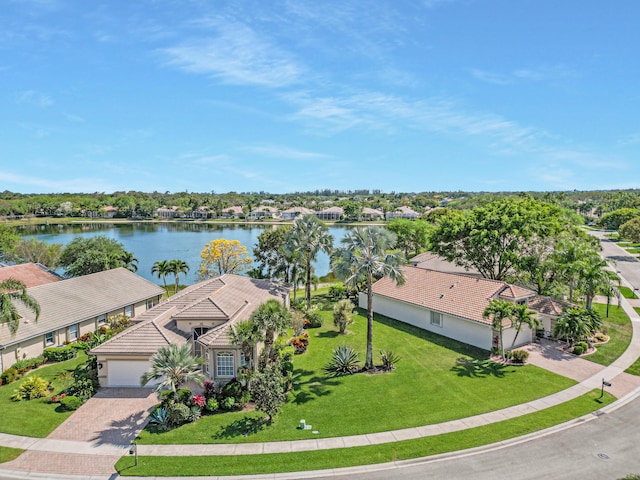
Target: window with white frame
151 303
128 311
73 333
48 339
102 320
224 364
436 319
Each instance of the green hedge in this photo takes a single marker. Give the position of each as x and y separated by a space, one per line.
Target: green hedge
60 354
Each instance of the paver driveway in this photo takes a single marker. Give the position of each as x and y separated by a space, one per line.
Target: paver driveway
113 416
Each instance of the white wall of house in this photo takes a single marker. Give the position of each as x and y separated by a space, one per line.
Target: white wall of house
524 337
466 331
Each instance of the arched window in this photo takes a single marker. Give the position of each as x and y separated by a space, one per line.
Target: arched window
224 365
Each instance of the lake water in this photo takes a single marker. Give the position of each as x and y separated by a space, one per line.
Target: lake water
151 242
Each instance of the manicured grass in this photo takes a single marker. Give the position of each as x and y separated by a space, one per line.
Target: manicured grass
628 244
635 368
35 418
637 309
633 251
437 379
620 331
626 292
345 457
7 454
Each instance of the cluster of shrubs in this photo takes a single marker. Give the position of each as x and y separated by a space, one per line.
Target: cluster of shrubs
580 347
18 369
516 356
182 406
60 354
312 318
600 337
300 343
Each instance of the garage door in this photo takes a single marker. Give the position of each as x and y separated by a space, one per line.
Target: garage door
127 373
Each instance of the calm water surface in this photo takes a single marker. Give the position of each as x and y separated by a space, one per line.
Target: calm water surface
151 242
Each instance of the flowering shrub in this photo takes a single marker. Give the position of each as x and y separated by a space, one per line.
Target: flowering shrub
300 343
57 398
199 400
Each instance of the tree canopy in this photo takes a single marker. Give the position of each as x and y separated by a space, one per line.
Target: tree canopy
83 256
223 256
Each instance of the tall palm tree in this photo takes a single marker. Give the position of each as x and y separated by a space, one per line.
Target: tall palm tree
569 256
246 335
162 268
173 366
498 311
595 278
574 324
129 261
521 315
363 258
177 267
273 318
308 237
11 291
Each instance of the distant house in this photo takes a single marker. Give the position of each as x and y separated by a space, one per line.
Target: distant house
295 212
449 304
164 212
371 214
331 213
403 212
31 274
232 212
72 307
200 212
264 212
110 211
201 315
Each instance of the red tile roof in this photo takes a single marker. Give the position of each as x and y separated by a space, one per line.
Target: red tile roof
459 295
31 274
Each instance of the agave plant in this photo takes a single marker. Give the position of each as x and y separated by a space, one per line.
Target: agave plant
388 359
159 417
343 362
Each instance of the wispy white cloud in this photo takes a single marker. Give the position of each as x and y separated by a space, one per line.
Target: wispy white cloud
32 97
490 77
283 152
56 185
235 55
538 74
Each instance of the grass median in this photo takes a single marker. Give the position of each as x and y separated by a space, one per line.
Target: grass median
346 457
7 454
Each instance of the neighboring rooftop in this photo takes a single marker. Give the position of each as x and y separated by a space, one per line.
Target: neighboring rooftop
31 274
432 261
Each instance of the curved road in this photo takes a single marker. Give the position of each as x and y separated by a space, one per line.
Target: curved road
626 264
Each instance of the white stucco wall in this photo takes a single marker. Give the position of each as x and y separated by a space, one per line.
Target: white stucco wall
466 331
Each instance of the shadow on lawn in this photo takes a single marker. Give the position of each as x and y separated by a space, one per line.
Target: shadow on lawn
472 368
328 334
308 387
244 427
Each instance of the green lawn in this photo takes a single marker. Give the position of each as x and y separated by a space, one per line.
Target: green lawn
7 454
633 251
35 418
619 330
628 244
436 380
635 368
626 292
345 457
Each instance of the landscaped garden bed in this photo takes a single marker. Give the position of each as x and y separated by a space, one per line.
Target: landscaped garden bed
619 329
429 386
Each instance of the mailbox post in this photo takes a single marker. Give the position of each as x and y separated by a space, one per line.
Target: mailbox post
604 384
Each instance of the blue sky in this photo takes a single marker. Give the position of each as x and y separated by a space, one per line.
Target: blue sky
294 95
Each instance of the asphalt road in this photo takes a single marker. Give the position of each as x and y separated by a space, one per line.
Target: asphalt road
607 447
627 265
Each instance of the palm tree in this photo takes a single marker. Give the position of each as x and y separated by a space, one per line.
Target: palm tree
177 267
273 318
162 268
569 256
173 366
574 324
595 278
11 291
129 261
309 236
521 315
363 259
246 335
498 311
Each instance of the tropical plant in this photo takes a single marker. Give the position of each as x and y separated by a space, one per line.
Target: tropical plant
129 262
388 359
343 315
32 387
344 361
246 335
267 390
594 278
178 414
308 237
363 258
162 268
312 318
273 318
173 366
521 315
573 325
159 417
70 403
176 267
223 256
12 291
498 311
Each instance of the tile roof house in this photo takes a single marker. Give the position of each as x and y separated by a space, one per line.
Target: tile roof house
31 274
402 212
264 212
331 213
201 315
232 212
372 214
72 307
295 212
449 304
432 261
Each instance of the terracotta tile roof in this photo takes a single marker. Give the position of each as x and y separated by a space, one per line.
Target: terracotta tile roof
547 305
300 210
515 292
31 274
228 297
77 299
431 261
454 294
